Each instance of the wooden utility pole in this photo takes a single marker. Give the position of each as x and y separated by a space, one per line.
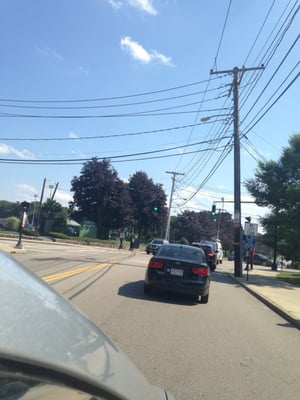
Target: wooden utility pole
237 77
167 235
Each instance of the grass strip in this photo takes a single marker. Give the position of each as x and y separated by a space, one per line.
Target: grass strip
292 278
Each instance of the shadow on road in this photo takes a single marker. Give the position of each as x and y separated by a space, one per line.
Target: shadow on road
135 290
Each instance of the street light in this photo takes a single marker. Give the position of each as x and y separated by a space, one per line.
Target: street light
51 187
33 216
25 207
209 117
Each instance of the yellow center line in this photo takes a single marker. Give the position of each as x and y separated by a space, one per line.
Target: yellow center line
61 275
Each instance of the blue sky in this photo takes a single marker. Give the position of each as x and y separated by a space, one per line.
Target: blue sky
130 80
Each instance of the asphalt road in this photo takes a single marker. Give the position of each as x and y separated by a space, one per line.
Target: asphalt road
234 347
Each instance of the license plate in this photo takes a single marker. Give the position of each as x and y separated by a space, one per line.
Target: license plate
176 271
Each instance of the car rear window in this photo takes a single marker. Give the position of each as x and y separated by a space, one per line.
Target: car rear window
186 253
192 254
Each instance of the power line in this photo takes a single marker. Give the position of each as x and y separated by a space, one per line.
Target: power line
81 160
107 98
108 135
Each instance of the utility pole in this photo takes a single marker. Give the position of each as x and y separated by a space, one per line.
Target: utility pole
167 235
237 77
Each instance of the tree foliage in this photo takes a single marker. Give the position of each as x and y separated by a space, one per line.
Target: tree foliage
196 226
276 185
99 195
53 217
149 204
13 224
9 209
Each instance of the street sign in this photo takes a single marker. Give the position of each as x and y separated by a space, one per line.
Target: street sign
250 242
250 229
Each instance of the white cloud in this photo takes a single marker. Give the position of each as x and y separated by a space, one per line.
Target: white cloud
5 149
83 70
63 197
138 52
73 135
26 188
48 52
115 4
24 191
143 5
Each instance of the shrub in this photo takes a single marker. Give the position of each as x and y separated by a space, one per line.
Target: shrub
13 224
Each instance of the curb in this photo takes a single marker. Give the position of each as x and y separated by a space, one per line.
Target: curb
269 303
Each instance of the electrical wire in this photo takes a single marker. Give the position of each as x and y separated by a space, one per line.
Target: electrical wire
81 160
107 136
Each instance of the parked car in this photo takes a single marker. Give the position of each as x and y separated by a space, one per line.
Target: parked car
261 259
3 223
210 254
180 269
231 256
48 349
155 245
217 249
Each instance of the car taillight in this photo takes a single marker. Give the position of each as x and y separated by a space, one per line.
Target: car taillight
155 264
203 271
210 254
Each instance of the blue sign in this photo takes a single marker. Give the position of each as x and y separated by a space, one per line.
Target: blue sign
250 241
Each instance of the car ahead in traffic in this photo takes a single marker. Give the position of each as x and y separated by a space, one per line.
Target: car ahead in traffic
48 349
211 256
155 245
179 269
217 249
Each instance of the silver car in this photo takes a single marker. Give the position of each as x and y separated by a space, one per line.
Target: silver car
49 350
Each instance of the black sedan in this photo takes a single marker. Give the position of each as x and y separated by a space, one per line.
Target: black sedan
180 269
211 256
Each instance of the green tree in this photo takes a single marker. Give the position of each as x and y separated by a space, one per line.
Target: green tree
53 217
9 209
149 205
195 226
276 185
13 224
100 196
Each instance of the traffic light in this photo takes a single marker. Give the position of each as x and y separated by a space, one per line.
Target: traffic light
213 210
155 206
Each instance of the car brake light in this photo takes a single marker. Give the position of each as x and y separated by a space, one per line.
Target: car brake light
155 264
210 254
203 271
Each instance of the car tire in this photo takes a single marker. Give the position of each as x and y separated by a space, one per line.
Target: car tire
147 289
204 299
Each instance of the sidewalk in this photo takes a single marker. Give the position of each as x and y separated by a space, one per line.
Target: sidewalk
280 296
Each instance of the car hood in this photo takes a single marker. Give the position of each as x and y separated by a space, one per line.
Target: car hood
40 326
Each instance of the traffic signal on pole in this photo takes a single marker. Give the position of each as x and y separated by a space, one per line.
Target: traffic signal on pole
213 210
155 206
